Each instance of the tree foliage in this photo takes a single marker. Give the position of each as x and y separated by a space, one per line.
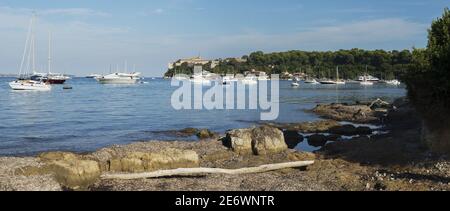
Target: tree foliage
429 78
352 63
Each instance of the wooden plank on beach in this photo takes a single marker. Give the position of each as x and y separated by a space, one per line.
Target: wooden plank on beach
203 171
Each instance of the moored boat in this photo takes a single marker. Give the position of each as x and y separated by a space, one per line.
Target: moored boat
394 82
119 78
24 81
311 81
250 80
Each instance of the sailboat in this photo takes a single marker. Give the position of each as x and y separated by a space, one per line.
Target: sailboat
50 78
366 80
332 82
24 82
53 78
339 81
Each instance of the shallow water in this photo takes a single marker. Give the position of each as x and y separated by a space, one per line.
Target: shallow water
91 116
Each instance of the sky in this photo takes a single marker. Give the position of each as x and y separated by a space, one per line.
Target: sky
91 36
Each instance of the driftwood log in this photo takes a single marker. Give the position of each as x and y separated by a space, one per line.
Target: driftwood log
203 171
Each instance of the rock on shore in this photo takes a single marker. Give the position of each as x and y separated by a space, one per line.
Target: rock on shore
397 161
259 141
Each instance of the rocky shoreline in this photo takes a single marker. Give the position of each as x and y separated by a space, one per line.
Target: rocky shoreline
395 161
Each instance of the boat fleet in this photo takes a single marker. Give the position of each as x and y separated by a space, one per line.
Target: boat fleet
365 80
30 79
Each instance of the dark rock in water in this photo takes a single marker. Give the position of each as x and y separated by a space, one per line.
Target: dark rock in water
307 127
352 113
292 138
334 137
189 131
364 130
317 140
206 134
346 130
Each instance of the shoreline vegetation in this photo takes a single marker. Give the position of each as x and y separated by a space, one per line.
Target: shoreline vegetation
383 64
397 160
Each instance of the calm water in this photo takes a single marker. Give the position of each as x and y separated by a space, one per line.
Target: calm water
92 116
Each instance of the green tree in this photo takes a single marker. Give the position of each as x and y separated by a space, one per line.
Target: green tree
429 83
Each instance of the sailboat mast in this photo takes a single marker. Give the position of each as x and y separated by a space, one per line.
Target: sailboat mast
33 51
337 73
49 53
26 49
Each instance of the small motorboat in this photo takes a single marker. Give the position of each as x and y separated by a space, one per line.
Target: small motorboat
311 81
249 80
394 82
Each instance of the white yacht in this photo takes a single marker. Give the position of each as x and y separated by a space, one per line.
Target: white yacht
24 82
365 82
227 80
249 80
120 78
368 78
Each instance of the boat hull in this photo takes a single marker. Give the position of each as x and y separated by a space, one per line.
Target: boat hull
55 81
367 83
117 81
29 86
328 83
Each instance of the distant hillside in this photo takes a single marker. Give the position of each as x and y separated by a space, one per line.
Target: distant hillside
381 63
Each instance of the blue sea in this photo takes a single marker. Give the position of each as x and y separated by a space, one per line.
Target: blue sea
91 116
